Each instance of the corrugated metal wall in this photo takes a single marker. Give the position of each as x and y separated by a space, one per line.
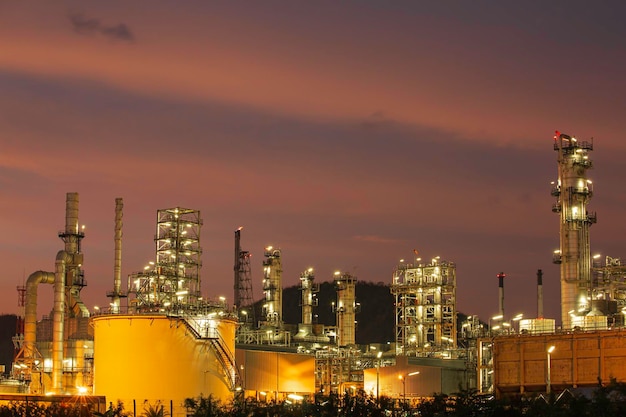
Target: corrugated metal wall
578 359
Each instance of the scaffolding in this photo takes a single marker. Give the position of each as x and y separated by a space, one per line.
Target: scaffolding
174 279
425 300
338 370
608 288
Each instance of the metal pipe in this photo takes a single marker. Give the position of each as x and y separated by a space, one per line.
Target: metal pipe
117 267
30 311
539 294
58 318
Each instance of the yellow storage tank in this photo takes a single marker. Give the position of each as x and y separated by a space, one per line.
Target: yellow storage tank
151 358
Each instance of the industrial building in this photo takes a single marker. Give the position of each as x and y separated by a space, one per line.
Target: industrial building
588 348
160 340
425 295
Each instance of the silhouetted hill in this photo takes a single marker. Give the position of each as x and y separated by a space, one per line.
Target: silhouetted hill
375 321
8 328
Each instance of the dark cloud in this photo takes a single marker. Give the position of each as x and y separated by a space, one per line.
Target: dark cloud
83 25
92 27
121 32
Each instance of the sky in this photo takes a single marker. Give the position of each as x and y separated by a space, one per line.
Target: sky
348 134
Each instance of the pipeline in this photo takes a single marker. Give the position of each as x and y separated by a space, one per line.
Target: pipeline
67 263
58 316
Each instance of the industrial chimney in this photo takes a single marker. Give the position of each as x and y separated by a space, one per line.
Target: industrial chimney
539 294
501 276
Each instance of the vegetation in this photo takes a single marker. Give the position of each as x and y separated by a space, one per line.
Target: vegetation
604 401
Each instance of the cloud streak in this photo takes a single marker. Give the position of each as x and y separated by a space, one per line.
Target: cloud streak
89 26
346 146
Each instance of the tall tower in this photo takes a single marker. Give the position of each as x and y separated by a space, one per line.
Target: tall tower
308 288
243 283
573 192
346 308
425 300
74 275
116 294
272 287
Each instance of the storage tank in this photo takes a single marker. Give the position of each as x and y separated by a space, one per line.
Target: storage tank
162 358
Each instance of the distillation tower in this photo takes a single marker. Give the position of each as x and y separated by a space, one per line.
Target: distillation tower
346 308
573 191
272 288
425 300
308 288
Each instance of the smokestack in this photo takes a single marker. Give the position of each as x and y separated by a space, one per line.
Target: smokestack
539 294
501 276
237 267
117 266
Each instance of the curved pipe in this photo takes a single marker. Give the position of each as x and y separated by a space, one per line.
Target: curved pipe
30 312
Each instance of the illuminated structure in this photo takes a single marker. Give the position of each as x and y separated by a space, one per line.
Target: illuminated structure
425 299
274 375
55 354
308 301
608 292
346 308
175 278
272 288
169 329
573 191
579 359
165 356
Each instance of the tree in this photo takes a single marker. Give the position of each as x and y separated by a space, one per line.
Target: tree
156 410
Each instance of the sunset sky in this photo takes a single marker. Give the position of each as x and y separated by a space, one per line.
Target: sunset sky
346 133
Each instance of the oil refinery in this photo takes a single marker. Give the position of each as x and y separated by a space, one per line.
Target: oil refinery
161 340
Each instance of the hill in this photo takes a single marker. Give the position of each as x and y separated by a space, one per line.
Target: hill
8 328
375 320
